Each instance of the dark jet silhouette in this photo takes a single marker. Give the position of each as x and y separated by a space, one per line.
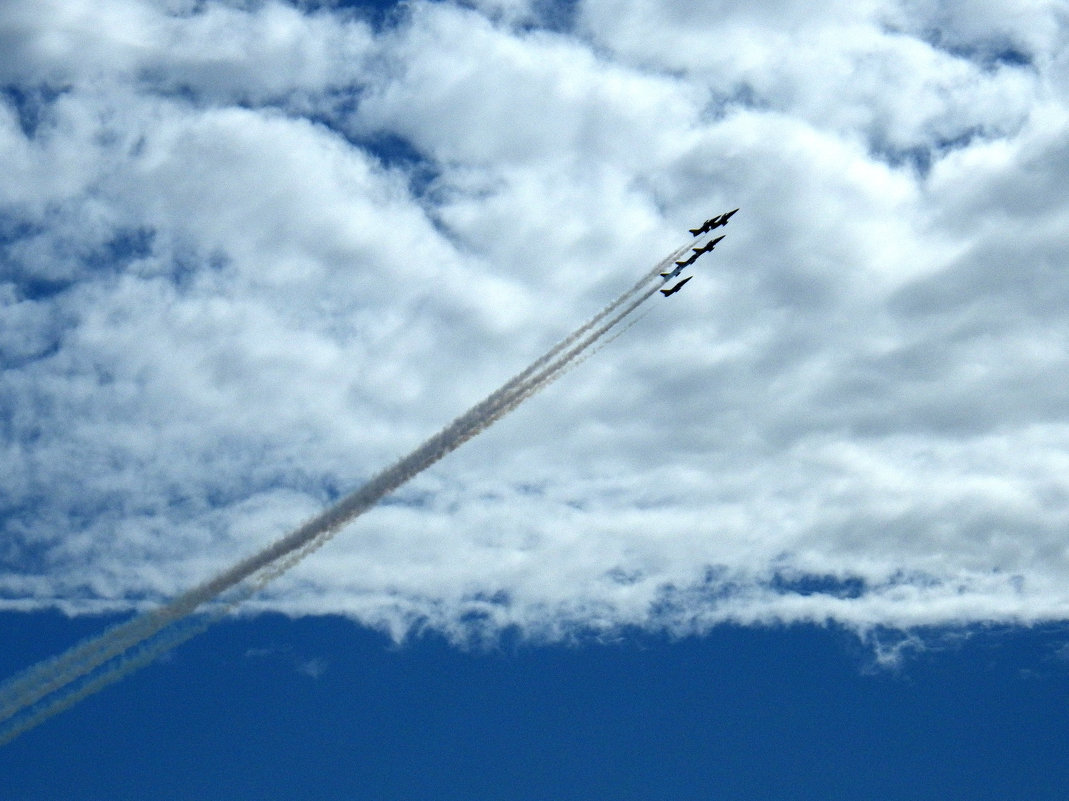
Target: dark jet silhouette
714 222
724 218
708 246
676 288
689 260
669 276
704 227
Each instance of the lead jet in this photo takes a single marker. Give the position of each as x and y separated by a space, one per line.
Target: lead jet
727 215
676 288
714 222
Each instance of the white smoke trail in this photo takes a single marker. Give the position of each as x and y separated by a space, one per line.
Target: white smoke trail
146 651
20 694
602 344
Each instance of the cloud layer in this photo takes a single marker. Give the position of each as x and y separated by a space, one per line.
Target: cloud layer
252 252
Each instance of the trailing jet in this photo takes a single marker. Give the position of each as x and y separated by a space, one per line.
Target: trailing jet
669 276
693 257
708 246
676 288
715 222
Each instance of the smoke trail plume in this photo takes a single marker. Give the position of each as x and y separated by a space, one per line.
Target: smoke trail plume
23 698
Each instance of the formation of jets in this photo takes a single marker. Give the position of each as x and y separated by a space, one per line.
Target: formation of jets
715 222
706 227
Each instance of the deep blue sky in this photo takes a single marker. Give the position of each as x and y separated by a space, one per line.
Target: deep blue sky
783 713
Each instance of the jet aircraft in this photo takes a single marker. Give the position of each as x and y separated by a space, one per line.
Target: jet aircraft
714 222
693 257
676 288
727 215
708 246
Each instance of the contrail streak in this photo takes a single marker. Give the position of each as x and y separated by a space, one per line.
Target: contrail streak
54 677
147 651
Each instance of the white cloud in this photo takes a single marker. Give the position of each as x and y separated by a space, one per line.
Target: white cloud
839 67
216 52
252 253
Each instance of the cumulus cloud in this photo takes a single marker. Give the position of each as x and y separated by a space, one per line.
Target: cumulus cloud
251 252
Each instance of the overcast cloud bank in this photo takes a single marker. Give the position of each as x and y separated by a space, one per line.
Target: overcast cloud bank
250 253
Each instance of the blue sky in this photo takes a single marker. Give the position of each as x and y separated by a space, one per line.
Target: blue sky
251 253
319 708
